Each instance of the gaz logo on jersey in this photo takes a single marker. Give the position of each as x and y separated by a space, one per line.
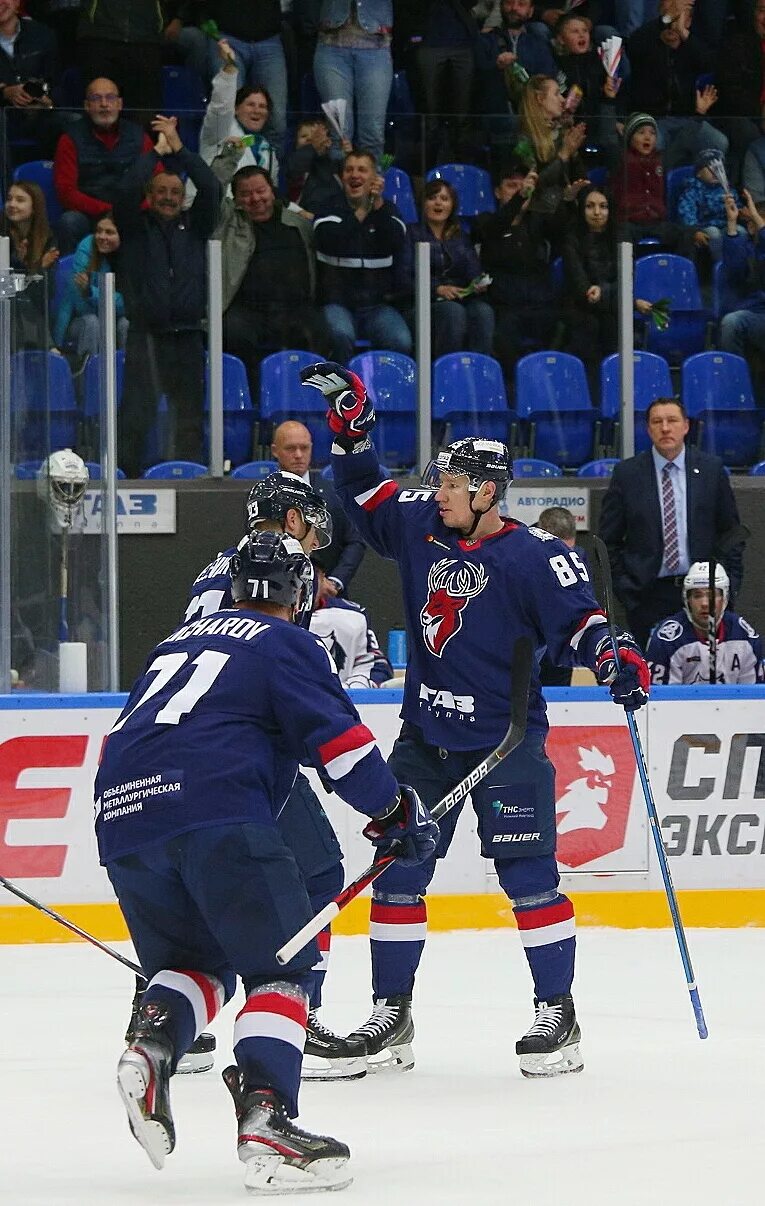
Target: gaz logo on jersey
451 586
594 780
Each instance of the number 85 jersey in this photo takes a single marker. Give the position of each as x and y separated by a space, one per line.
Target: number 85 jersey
466 604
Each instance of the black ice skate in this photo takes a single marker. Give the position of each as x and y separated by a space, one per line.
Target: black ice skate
278 1156
143 1079
327 1056
388 1035
200 1056
551 1046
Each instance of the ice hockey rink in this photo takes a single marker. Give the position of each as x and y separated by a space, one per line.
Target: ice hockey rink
657 1117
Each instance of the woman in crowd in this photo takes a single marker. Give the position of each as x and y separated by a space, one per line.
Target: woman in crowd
460 322
34 252
550 146
77 315
237 115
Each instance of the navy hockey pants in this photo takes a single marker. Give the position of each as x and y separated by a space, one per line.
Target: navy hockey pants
515 809
208 906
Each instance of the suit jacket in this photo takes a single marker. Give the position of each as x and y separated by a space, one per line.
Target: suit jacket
344 555
631 522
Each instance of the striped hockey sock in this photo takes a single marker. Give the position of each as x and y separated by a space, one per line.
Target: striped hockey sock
269 1037
548 934
397 932
192 999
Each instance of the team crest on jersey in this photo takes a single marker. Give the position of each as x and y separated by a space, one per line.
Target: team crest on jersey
451 586
669 631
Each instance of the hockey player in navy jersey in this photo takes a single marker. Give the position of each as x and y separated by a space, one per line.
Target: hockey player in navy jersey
472 584
284 502
678 649
192 778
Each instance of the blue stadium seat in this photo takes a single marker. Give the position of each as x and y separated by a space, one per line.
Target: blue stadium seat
91 392
677 179
757 470
531 466
61 277
40 171
469 395
673 277
43 403
718 282
176 470
603 467
391 381
184 96
398 189
553 397
283 397
473 186
717 393
238 412
652 380
94 469
255 469
26 471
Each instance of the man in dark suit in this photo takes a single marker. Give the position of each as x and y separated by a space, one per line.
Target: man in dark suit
663 510
292 446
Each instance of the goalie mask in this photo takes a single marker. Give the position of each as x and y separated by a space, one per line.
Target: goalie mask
269 567
697 578
477 459
272 498
62 480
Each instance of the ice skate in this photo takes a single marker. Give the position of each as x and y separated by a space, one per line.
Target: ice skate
200 1056
551 1046
327 1056
388 1035
143 1078
278 1156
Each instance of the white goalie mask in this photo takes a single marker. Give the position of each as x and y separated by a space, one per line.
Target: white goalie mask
697 578
62 480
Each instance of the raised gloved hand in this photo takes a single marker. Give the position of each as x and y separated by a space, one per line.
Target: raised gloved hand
630 679
350 414
407 829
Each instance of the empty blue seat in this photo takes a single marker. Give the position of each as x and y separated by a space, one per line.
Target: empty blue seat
40 171
398 189
256 469
176 470
26 471
469 395
717 393
283 397
531 466
553 397
94 469
677 179
61 277
238 411
91 388
757 470
603 467
43 402
391 382
652 379
473 186
673 277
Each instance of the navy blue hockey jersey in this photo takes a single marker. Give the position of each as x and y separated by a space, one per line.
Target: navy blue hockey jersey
213 731
466 604
677 653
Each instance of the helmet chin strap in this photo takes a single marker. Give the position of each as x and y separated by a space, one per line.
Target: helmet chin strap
478 515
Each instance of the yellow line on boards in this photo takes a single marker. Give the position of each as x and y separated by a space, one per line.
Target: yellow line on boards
622 910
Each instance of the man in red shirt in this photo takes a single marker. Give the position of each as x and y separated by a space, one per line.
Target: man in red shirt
91 159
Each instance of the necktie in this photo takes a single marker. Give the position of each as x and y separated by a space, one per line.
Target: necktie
671 547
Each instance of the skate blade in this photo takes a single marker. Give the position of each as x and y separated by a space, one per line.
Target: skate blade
151 1134
333 1069
270 1174
552 1063
191 1063
392 1059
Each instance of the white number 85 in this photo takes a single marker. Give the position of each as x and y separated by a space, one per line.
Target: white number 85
564 572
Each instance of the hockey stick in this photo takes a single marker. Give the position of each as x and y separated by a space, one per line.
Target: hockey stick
69 925
63 598
601 556
712 623
519 697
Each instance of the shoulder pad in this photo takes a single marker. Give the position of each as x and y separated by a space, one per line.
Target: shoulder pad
670 630
541 534
750 632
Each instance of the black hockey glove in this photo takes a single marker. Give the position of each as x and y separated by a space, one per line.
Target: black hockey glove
630 680
351 415
407 829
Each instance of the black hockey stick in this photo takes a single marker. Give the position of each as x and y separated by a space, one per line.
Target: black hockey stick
69 925
712 622
519 699
601 556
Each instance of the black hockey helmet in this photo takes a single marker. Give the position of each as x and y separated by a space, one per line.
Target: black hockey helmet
272 498
272 568
478 459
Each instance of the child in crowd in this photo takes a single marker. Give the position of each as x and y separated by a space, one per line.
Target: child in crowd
313 168
639 189
702 203
77 315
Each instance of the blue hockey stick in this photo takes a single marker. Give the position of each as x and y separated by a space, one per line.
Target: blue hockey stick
601 556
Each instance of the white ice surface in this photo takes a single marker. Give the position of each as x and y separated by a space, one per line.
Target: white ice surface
657 1118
